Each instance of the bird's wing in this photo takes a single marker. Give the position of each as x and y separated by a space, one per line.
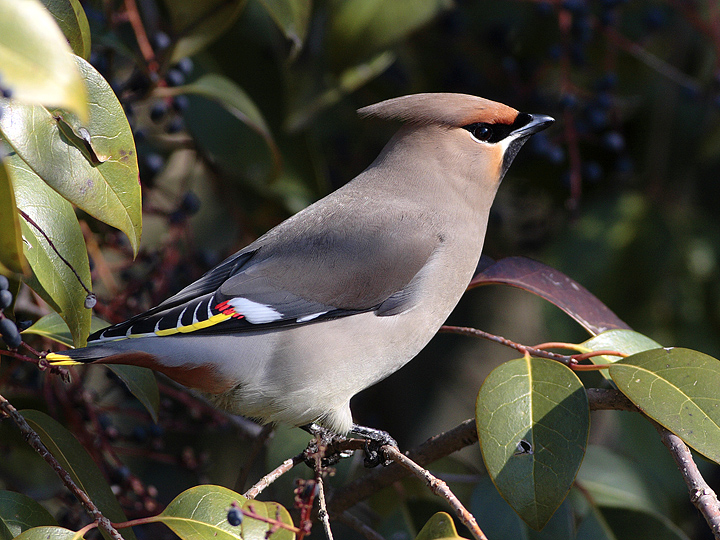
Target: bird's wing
296 278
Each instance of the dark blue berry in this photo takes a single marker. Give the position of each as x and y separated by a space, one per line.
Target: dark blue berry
158 111
555 155
10 333
234 517
161 41
185 65
176 125
613 141
139 434
154 163
5 298
180 103
175 77
4 283
90 301
592 171
190 203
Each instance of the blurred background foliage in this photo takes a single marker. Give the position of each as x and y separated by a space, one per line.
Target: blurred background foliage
246 114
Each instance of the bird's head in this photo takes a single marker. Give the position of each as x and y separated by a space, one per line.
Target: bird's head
478 136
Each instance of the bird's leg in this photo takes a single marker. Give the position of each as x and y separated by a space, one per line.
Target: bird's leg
375 439
326 438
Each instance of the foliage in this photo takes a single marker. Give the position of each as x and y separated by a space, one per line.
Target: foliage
258 124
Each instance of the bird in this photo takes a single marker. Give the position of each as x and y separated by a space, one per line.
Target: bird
348 290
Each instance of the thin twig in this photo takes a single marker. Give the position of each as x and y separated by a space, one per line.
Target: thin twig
36 443
701 495
273 475
354 523
323 515
524 349
438 487
50 242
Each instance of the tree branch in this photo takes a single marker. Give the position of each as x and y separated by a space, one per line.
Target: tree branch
36 443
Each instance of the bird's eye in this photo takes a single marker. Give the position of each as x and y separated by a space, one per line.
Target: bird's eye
482 132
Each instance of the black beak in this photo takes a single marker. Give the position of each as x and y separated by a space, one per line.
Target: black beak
526 124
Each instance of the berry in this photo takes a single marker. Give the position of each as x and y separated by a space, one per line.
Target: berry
234 517
4 283
10 333
175 77
6 298
90 301
613 141
190 203
154 163
158 111
180 103
176 125
185 65
161 41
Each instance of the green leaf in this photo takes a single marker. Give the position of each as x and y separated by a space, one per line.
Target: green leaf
362 27
19 513
36 63
47 533
143 385
614 480
201 512
533 421
197 24
594 526
71 18
77 462
52 279
254 529
678 388
293 18
350 80
107 188
439 527
627 523
620 340
10 235
498 520
52 326
235 100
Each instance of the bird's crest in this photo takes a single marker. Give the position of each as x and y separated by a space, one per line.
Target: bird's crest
456 110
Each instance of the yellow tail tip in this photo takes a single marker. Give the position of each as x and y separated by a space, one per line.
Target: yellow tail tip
57 359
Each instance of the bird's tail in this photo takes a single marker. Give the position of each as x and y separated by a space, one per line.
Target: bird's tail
77 357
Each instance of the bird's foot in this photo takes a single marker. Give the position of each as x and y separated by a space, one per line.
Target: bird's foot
375 440
326 444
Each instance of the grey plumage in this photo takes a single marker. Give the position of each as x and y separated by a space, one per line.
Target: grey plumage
348 290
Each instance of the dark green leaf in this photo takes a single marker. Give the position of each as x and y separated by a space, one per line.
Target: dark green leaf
594 527
629 524
293 18
533 421
613 480
197 24
11 256
36 62
677 388
47 533
143 385
19 513
350 80
52 279
71 18
362 27
234 99
109 190
52 326
76 461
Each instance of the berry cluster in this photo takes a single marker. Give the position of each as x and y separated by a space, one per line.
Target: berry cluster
8 329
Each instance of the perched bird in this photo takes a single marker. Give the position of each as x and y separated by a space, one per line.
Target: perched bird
348 290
